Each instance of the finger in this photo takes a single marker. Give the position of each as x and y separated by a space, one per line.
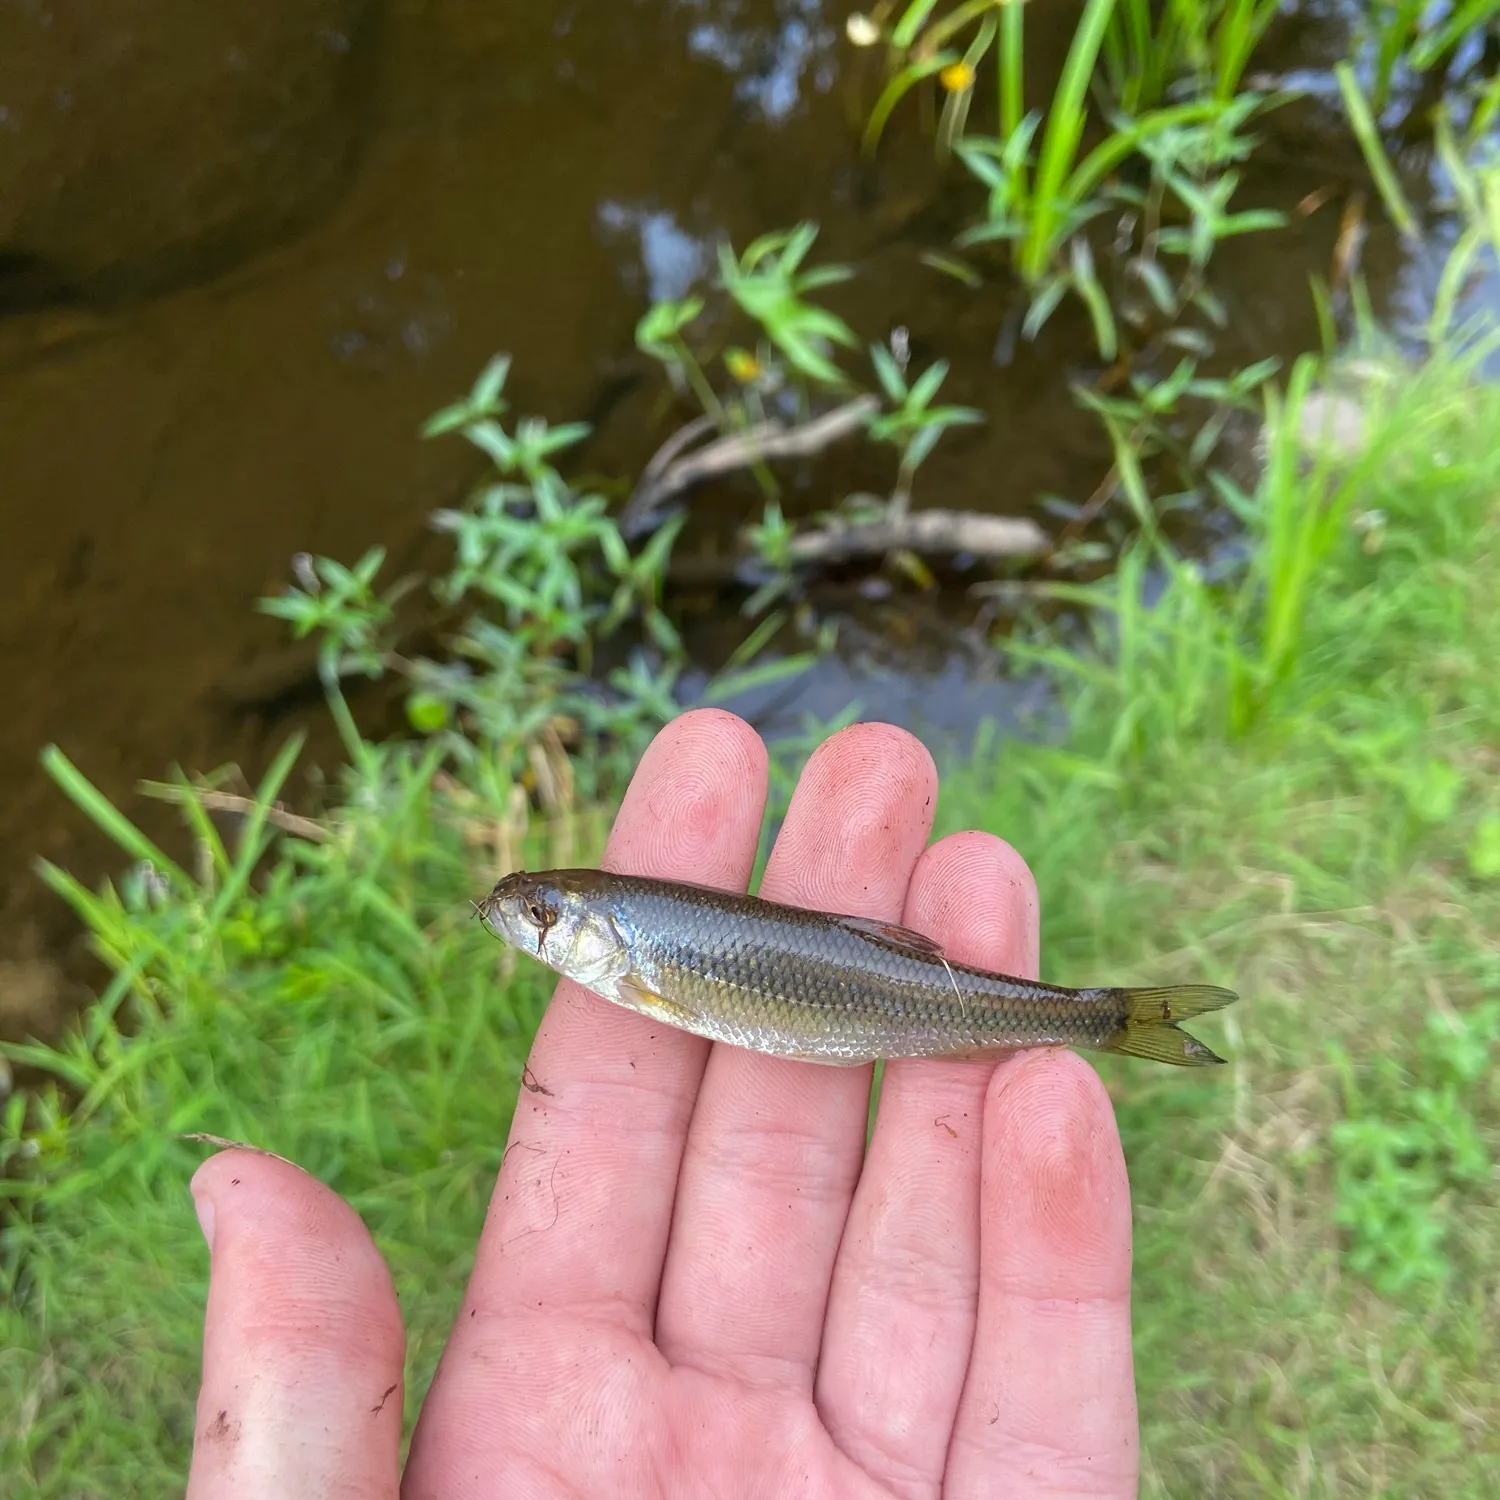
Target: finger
302 1347
901 1313
581 1211
775 1145
1049 1403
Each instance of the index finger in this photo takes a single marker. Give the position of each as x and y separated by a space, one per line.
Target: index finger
594 1159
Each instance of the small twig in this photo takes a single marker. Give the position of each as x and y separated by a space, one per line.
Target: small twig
224 1143
1095 502
638 513
231 802
741 450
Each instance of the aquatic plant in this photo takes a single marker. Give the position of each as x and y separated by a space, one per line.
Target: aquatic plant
770 286
794 357
540 583
914 425
1403 41
1152 51
1134 54
1043 189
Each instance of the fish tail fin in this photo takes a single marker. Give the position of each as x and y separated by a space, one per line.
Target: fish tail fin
1151 1029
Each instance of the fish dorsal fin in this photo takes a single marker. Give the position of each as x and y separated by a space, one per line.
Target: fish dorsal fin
892 935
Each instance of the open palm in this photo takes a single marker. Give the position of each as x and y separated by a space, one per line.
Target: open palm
694 1279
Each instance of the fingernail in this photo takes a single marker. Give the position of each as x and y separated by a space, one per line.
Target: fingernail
204 1207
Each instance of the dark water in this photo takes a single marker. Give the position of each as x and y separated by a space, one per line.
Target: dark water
244 252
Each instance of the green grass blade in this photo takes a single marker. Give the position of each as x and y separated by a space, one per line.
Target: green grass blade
906 30
956 20
109 819
1466 18
250 848
1381 168
906 80
1065 121
1455 272
1010 60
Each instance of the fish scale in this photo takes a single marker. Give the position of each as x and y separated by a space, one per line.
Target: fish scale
819 986
798 982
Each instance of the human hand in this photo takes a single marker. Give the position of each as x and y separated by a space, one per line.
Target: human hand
693 1279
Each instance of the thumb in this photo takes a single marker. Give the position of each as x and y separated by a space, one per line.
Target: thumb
303 1345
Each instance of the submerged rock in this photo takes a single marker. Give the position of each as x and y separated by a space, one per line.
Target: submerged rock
149 143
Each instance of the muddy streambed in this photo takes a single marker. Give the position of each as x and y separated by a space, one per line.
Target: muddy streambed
245 252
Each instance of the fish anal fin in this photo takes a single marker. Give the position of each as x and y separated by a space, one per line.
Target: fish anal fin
985 1054
827 1062
893 935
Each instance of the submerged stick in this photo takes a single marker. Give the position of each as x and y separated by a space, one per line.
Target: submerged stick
925 532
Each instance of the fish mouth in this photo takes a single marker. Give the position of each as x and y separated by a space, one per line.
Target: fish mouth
522 911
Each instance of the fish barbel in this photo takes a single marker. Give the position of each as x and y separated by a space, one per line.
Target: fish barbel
814 985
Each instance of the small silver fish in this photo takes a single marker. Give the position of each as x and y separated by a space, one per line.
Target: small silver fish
813 985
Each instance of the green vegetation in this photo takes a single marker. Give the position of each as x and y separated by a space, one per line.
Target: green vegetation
1291 785
1292 788
1045 187
1282 776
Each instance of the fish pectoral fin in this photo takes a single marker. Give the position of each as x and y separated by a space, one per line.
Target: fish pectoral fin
635 993
893 935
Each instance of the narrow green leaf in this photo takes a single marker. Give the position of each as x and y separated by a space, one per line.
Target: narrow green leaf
906 30
906 80
927 384
1065 121
1086 282
1368 135
112 822
888 372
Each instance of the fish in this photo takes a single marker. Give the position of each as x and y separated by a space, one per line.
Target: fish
816 986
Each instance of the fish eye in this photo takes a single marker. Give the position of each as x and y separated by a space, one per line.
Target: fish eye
538 913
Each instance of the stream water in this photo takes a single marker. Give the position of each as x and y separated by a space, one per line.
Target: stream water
245 251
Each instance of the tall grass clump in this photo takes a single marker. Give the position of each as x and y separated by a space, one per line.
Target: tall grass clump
321 993
1047 177
1286 782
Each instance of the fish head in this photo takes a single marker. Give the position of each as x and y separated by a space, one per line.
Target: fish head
561 923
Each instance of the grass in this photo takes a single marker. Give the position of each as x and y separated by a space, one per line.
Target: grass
1318 1236
1289 783
1292 787
347 1015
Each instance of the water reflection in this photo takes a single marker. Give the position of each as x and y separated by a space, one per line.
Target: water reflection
774 62
672 260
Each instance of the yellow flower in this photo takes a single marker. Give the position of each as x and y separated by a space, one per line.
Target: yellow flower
742 365
957 77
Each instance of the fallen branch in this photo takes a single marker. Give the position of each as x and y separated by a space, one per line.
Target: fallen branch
925 532
667 475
